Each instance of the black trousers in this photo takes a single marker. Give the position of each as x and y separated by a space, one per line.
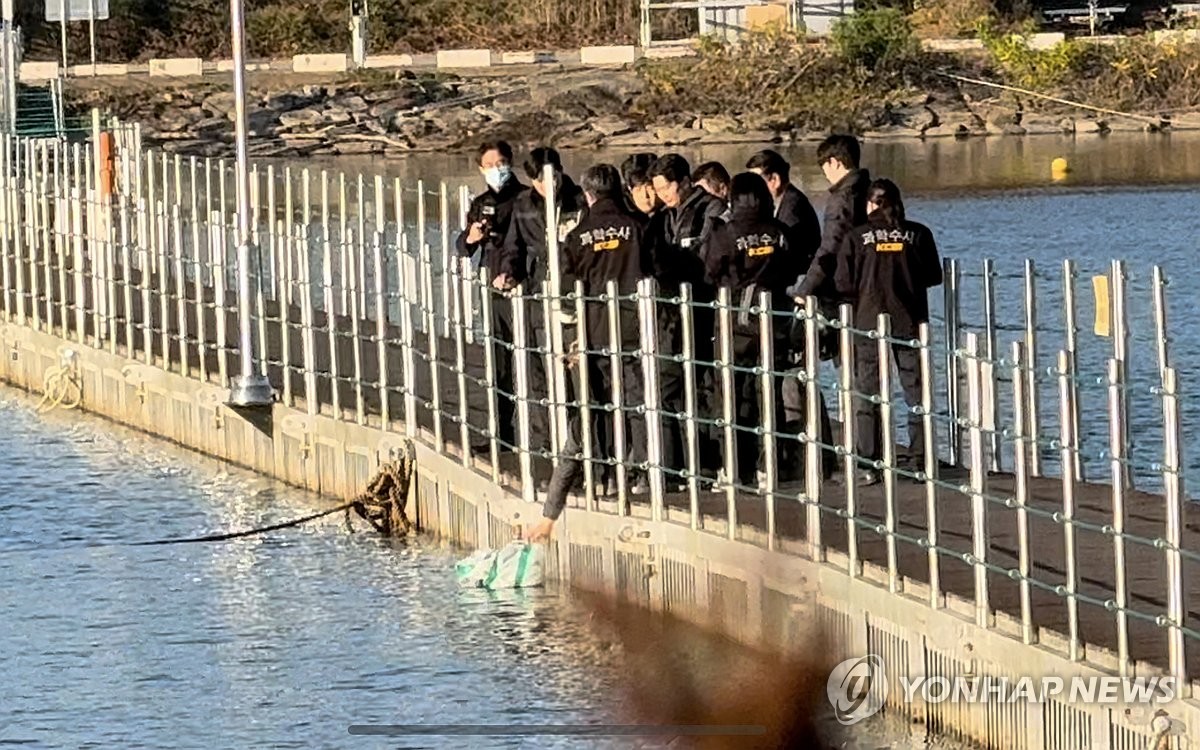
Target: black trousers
908 364
505 358
748 414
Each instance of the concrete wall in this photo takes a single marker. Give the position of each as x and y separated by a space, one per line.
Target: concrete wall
177 66
750 593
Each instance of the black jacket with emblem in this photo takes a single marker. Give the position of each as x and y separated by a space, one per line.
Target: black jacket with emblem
886 267
608 244
751 254
525 257
493 208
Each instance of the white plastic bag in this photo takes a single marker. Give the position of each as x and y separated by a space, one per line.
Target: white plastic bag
517 565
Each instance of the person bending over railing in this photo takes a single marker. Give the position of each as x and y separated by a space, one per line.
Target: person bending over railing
887 266
607 245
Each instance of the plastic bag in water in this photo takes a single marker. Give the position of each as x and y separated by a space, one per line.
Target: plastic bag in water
518 565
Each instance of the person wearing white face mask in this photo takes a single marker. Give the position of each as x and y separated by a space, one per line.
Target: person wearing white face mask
488 219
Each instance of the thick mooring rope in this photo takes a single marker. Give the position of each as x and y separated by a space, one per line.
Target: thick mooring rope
61 389
386 498
383 505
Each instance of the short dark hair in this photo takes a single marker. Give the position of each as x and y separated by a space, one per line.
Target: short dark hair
671 167
844 148
602 181
539 158
713 171
770 162
748 192
637 163
501 146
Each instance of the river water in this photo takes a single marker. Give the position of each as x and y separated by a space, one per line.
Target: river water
287 639
282 640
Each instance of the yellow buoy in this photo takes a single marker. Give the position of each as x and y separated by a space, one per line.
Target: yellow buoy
1059 168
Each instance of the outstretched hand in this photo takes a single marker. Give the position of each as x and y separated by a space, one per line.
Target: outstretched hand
540 531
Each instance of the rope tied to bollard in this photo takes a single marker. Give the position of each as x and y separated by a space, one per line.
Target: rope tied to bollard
382 504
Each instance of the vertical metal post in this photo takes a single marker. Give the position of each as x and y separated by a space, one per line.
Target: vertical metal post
1121 351
849 425
979 526
454 270
360 412
549 367
218 238
431 341
381 325
7 178
554 338
1162 340
691 432
1069 443
444 260
180 288
409 294
1033 409
521 365
164 276
127 281
331 325
648 317
344 260
312 401
617 395
22 218
360 250
77 196
767 402
423 244
887 433
1072 331
287 241
1117 462
1021 484
988 364
582 364
489 372
929 429
284 306
728 407
1173 489
813 460
274 242
950 319
251 389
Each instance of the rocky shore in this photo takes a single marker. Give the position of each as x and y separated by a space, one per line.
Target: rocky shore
402 113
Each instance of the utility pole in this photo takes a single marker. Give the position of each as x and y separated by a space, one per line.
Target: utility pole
250 388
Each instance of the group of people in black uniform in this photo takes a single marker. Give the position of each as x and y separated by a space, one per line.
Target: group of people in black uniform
656 217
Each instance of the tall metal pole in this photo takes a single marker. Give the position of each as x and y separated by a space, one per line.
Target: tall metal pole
251 388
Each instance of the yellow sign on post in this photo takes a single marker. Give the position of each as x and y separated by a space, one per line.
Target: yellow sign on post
1103 325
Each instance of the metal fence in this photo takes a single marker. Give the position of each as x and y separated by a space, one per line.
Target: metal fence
363 312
